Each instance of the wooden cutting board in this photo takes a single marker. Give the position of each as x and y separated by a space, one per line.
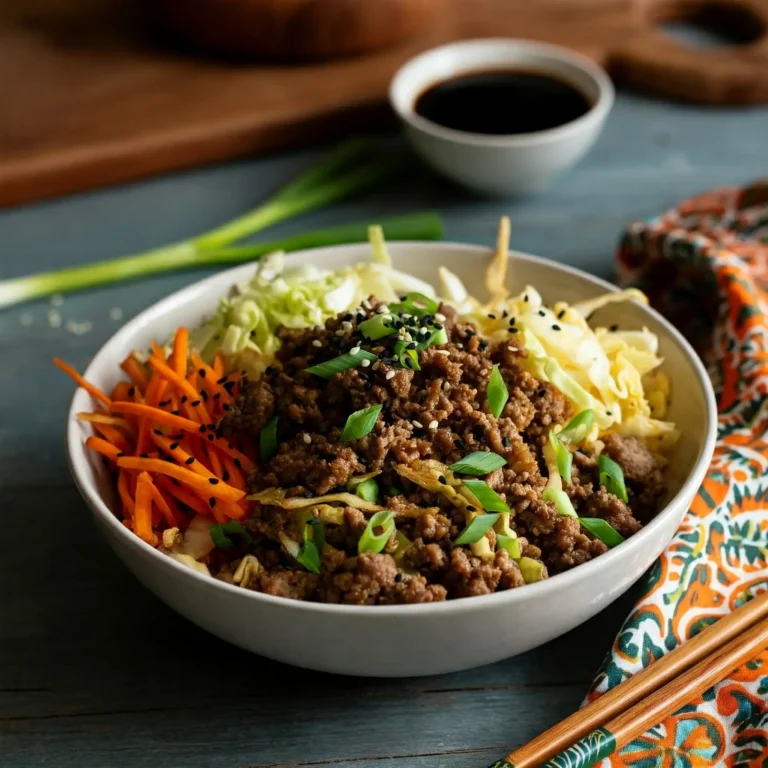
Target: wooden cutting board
91 96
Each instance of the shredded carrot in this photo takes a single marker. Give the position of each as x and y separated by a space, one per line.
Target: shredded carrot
124 492
137 373
240 459
114 436
181 456
93 391
163 506
142 518
157 415
103 418
232 474
211 379
181 519
121 391
104 447
213 457
207 489
180 351
157 350
195 503
218 364
169 375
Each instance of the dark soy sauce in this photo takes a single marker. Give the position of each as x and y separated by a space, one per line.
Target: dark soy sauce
502 102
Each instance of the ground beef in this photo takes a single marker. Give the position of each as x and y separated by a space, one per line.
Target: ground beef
437 413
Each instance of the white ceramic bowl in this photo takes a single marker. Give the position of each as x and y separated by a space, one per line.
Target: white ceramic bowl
405 640
501 165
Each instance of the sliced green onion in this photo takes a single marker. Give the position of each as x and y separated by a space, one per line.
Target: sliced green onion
511 544
416 304
368 490
603 530
612 477
477 528
220 533
375 542
408 358
490 500
403 545
436 337
392 491
561 501
268 440
562 456
532 570
376 328
479 463
497 392
341 363
577 428
360 423
311 550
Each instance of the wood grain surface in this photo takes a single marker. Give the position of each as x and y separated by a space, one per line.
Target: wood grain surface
92 95
94 671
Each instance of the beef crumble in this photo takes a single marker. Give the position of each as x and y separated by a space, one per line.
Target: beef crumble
440 412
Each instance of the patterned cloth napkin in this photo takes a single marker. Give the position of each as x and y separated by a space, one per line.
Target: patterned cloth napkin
705 266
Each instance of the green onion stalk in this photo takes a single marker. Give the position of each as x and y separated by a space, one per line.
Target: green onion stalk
341 174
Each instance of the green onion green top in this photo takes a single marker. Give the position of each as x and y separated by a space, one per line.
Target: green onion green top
577 428
375 542
311 550
416 304
562 457
341 363
561 501
602 530
512 545
497 393
477 528
368 490
483 492
360 423
221 532
612 477
478 463
377 327
268 440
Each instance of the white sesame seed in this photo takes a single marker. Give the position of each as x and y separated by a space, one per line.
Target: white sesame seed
512 349
365 304
406 316
440 317
57 300
365 363
317 343
26 319
339 333
460 346
433 424
446 386
115 313
417 424
376 365
423 331
382 309
306 438
407 336
354 350
442 352
390 375
346 325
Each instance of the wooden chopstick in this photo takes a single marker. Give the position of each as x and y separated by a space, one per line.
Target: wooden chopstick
612 703
620 731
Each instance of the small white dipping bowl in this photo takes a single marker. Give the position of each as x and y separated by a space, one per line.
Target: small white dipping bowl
501 165
407 640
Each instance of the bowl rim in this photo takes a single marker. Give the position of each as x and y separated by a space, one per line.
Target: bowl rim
78 461
578 61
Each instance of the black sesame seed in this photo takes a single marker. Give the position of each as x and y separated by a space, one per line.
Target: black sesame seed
217 396
163 403
201 373
226 407
190 460
483 344
438 327
398 578
202 428
120 454
561 314
144 455
504 313
608 413
184 399
512 330
229 386
505 441
493 317
212 502
460 444
221 380
442 480
225 476
525 298
471 332
555 327
412 345
174 446
230 446
176 413
367 384
614 327
470 508
211 436
131 391
195 403
213 480
542 313
542 392
158 431
175 482
204 394
237 462
269 369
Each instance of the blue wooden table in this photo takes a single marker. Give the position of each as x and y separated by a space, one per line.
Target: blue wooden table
94 671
